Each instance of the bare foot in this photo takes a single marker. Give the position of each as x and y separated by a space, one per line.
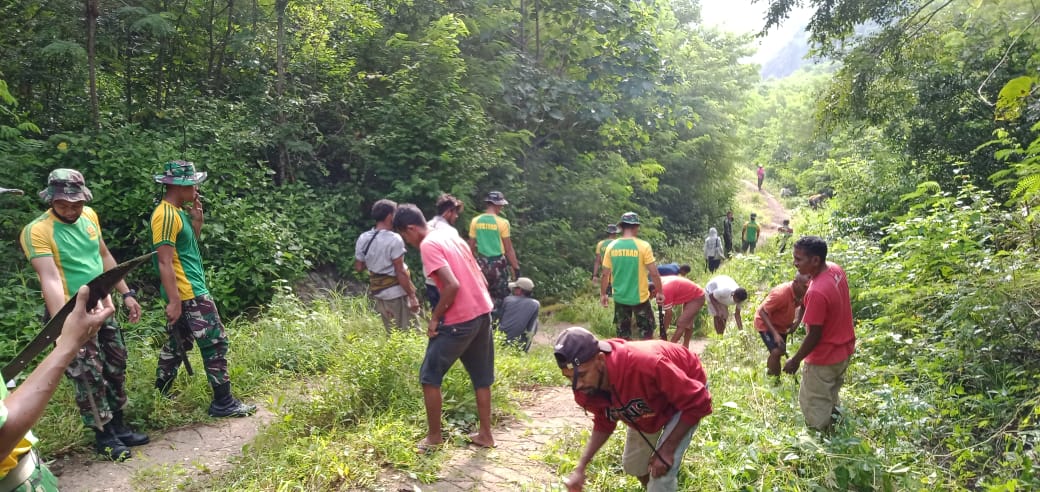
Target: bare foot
428 445
483 441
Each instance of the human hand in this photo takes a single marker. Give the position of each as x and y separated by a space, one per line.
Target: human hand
791 366
107 302
173 312
196 209
431 328
413 303
603 299
133 309
575 482
659 468
83 323
660 297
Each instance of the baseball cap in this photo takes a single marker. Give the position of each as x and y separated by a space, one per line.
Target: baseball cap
523 283
612 229
66 184
576 346
497 198
630 218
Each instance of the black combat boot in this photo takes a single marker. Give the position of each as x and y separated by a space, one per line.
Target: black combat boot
124 432
225 405
107 444
163 385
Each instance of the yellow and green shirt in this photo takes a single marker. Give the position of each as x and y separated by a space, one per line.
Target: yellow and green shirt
10 461
76 247
602 245
489 230
172 225
627 259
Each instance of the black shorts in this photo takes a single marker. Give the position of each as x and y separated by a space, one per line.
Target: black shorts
470 342
768 340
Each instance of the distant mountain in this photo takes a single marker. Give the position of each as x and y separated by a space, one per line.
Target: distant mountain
788 58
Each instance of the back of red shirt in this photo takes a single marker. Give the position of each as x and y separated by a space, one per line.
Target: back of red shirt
651 380
827 304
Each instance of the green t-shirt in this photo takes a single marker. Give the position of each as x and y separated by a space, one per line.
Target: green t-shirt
627 259
76 247
172 225
489 230
751 231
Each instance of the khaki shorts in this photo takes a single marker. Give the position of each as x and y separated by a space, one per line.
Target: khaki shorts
818 394
394 313
635 459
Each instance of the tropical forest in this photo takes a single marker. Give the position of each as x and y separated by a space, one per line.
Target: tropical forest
907 137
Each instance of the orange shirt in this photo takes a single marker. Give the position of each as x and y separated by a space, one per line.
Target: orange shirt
679 290
781 308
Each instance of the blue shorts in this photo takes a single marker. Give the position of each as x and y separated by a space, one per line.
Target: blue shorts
768 340
470 342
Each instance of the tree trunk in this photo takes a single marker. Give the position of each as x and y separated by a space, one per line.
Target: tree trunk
92 15
281 157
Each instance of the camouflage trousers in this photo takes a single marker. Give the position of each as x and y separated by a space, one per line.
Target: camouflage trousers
496 272
98 374
641 314
208 332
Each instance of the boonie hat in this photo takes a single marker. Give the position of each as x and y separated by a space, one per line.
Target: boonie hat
576 346
180 173
11 190
523 283
754 215
497 198
66 184
612 229
630 218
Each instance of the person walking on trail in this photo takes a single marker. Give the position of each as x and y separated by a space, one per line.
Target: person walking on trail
449 209
749 234
612 232
381 251
681 292
67 249
830 338
21 469
722 292
176 225
520 314
460 327
779 315
626 264
713 250
761 176
489 239
657 389
727 232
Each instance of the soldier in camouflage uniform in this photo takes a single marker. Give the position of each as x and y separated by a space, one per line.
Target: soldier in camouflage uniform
175 233
67 250
489 238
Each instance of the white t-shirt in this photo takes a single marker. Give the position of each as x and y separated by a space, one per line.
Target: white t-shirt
386 246
721 288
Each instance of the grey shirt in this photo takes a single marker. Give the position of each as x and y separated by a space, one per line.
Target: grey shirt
519 313
386 246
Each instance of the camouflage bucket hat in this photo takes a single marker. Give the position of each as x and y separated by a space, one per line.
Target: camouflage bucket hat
630 218
612 229
180 173
11 190
66 184
497 198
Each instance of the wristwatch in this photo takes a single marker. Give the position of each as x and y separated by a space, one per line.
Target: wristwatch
130 293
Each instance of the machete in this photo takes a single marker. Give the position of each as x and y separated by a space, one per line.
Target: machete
100 287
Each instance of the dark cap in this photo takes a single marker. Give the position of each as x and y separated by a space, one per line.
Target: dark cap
576 346
497 198
629 218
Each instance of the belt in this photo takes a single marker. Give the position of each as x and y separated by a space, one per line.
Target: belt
21 472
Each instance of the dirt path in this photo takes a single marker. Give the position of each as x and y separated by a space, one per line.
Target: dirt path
180 453
777 212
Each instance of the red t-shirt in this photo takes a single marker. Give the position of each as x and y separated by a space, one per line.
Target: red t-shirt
651 381
781 308
827 304
679 290
440 249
